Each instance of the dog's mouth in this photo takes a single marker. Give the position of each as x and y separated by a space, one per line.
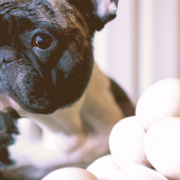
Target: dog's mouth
30 85
23 84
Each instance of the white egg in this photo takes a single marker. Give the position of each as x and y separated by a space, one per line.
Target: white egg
70 173
162 146
126 142
104 167
137 172
161 100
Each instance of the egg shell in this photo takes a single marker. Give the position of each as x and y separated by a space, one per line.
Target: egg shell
137 172
162 146
126 142
161 100
104 167
70 173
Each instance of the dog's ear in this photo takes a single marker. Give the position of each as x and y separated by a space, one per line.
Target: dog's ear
97 12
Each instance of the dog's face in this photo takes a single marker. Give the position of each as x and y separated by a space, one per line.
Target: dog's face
45 50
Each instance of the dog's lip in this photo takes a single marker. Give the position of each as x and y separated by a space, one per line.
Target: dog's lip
48 110
26 108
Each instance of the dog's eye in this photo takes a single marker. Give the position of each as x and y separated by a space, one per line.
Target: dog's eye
42 41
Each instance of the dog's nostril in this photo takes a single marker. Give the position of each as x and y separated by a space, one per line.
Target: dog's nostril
9 54
5 60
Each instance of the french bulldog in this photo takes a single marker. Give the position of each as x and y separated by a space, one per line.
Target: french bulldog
57 107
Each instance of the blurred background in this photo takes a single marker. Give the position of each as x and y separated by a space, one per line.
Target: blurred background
142 45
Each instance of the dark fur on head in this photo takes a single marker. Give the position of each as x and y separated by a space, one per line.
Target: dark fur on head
44 80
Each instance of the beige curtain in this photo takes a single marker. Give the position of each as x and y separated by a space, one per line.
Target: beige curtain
142 45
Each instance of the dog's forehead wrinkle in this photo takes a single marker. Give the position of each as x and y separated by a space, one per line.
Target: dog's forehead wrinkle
27 9
37 16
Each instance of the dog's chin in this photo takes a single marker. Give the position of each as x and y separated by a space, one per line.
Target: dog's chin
44 110
37 104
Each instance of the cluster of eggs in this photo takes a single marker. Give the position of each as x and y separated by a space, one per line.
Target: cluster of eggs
144 146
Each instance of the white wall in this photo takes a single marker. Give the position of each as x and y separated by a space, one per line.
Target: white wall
142 45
